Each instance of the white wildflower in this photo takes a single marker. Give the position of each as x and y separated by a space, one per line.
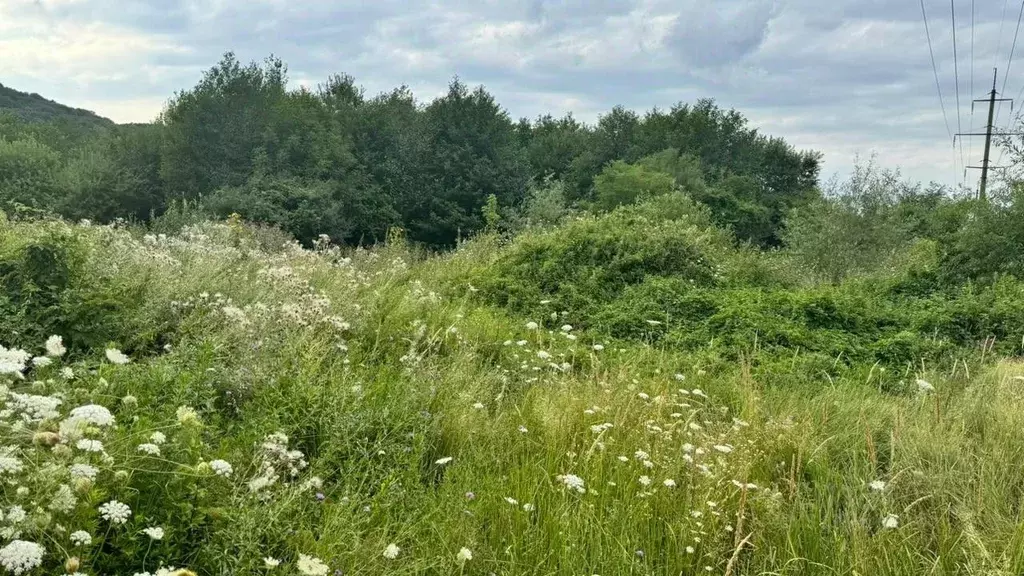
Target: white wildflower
877 485
12 361
156 532
572 482
93 414
221 468
89 445
41 361
478 405
531 326
464 555
529 507
543 355
115 512
925 386
55 346
443 461
511 501
157 438
81 538
645 480
271 562
669 483
10 465
151 449
83 471
567 328
723 448
67 373
116 356
891 521
391 551
21 556
312 566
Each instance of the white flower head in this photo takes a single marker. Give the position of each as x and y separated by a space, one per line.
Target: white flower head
391 552
443 461
151 449
41 361
83 471
21 556
87 445
10 465
312 566
464 555
67 373
669 483
157 438
115 512
891 521
572 482
531 326
93 414
55 346
645 480
81 538
271 562
925 386
156 532
221 468
877 485
116 356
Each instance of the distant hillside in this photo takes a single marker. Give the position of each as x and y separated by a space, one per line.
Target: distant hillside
35 108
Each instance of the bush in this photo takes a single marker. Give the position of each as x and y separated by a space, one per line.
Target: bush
589 262
620 184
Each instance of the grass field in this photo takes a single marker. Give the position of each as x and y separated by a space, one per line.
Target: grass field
290 411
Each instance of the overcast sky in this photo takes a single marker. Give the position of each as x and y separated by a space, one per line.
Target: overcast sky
846 77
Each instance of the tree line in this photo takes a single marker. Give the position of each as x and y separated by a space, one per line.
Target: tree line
332 160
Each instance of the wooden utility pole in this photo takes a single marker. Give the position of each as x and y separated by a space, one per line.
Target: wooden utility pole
988 133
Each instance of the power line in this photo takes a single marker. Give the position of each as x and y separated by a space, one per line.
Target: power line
1013 48
956 78
970 143
935 70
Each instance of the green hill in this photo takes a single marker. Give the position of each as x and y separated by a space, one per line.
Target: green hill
35 108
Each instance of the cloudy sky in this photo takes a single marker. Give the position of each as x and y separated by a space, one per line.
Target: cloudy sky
846 77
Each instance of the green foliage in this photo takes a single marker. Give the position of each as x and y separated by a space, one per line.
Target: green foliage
29 174
590 261
620 184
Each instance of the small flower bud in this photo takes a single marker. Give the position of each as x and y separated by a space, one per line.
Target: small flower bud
72 564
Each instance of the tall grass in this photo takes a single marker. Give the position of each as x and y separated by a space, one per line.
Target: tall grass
434 422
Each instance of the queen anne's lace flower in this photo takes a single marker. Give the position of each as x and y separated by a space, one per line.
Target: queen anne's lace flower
312 566
89 445
117 357
115 512
83 471
55 346
221 468
151 449
92 414
13 361
81 538
572 482
157 438
10 465
156 532
391 552
21 556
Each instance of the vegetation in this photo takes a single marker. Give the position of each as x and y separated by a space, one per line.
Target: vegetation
653 346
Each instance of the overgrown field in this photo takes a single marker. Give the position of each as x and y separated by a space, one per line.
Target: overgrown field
641 398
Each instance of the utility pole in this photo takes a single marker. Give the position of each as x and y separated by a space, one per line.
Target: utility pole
988 133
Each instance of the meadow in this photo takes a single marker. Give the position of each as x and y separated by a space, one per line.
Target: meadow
222 400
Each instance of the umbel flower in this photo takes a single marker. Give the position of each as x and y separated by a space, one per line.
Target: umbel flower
21 556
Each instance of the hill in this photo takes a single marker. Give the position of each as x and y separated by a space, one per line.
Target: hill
35 108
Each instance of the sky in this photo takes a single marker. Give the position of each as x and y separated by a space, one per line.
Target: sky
849 78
